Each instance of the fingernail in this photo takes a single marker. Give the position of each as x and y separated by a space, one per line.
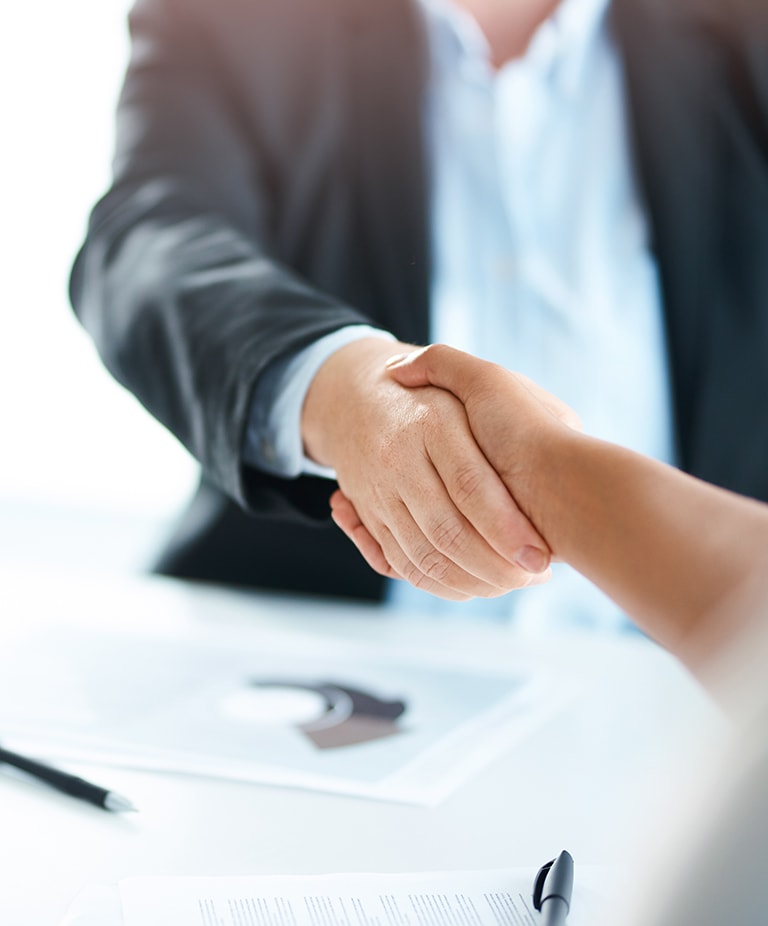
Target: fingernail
532 560
396 360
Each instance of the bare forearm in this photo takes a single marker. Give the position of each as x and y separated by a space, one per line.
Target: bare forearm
669 549
684 559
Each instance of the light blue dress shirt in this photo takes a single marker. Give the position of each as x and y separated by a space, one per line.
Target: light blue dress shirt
540 254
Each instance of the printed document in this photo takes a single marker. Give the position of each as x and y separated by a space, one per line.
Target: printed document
280 708
468 898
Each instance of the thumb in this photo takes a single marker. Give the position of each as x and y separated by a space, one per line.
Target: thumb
470 378
435 365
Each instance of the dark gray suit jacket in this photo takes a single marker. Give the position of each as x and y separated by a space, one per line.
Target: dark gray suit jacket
269 187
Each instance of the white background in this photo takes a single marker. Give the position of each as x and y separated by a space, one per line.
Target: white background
85 474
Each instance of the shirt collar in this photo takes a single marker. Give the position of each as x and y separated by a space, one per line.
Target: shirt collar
578 24
559 50
456 38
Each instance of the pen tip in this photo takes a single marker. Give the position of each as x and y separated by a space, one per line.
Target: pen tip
119 804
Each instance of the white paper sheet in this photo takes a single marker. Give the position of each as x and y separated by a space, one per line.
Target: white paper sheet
252 708
487 898
95 905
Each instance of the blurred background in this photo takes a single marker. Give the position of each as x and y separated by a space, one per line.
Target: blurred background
87 478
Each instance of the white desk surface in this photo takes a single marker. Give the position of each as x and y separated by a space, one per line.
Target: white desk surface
585 780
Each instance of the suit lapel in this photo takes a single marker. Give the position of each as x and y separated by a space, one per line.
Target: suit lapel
698 103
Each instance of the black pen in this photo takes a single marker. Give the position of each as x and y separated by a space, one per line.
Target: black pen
553 888
66 783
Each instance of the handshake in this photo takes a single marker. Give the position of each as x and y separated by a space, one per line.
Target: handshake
467 480
467 528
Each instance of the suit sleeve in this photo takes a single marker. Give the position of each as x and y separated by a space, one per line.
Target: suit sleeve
176 281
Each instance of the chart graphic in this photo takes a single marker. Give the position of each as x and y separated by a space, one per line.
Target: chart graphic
348 716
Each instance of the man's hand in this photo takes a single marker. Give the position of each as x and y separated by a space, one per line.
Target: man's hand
508 414
511 416
418 497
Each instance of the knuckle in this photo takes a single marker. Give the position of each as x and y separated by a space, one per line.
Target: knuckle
392 554
432 564
413 575
467 482
434 352
448 535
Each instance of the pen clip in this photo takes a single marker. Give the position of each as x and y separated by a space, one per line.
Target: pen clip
538 884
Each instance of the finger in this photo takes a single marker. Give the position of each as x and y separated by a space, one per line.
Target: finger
431 578
434 365
476 486
541 579
345 516
398 548
470 521
437 550
502 545
391 558
438 576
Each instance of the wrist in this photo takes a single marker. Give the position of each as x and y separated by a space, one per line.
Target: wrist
340 391
544 487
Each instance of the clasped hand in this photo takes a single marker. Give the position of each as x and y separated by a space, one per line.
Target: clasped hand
417 494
